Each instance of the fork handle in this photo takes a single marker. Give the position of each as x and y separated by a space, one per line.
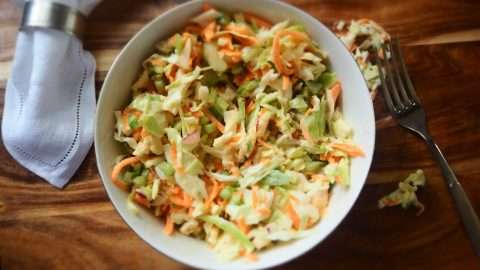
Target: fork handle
462 203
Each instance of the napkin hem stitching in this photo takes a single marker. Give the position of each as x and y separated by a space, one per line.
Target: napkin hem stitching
77 117
77 125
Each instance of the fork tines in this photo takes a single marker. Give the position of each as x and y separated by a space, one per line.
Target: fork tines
398 89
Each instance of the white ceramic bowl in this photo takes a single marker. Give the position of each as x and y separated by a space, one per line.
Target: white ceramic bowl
115 94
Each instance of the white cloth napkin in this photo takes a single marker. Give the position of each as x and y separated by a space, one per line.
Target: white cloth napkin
49 105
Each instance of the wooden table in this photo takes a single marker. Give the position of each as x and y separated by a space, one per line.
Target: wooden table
77 228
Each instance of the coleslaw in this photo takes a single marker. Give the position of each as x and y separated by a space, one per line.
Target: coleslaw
234 133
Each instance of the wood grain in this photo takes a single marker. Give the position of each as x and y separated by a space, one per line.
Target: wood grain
77 228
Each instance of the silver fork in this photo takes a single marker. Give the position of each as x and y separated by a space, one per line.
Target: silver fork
404 105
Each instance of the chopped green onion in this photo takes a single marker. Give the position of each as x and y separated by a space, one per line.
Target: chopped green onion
247 88
140 181
133 122
226 193
204 120
276 178
209 128
166 168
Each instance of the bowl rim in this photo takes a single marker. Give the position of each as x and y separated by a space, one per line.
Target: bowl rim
102 94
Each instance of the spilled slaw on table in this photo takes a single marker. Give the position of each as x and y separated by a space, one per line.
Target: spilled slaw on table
234 133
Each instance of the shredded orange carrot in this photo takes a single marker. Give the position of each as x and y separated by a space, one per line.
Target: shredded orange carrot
254 196
336 90
276 49
173 153
214 192
233 139
248 255
264 143
125 115
330 157
176 190
137 134
141 200
260 22
286 83
250 106
187 199
350 149
184 201
242 225
265 212
209 31
171 75
117 169
215 122
151 175
197 114
168 228
218 165
126 126
241 33
292 214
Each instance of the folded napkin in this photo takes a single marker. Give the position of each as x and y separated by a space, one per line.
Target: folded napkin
49 104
